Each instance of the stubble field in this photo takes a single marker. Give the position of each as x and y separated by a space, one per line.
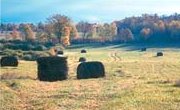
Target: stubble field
134 81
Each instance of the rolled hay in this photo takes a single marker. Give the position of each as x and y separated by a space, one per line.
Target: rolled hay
159 54
92 69
60 52
143 49
83 51
52 68
82 59
9 61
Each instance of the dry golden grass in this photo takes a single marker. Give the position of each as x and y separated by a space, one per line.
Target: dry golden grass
134 80
177 83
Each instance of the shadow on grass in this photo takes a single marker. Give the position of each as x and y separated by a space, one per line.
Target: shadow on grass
127 46
91 45
8 67
139 46
10 76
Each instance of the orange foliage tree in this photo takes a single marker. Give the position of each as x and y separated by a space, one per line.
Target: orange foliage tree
145 33
62 27
125 35
16 35
29 34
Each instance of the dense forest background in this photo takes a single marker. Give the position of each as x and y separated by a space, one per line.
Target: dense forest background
61 29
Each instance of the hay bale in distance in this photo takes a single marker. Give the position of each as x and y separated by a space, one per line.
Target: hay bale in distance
159 54
92 69
60 53
9 61
83 51
82 59
52 68
143 49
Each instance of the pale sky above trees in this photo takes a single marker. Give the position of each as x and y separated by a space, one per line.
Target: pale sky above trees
17 11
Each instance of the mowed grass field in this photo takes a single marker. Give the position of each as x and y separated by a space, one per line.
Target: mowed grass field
134 81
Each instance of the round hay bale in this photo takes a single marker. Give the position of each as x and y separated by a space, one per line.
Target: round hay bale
83 51
92 69
52 68
82 59
28 57
143 49
159 54
60 53
9 61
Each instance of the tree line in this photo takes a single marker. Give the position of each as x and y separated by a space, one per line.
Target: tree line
61 29
150 28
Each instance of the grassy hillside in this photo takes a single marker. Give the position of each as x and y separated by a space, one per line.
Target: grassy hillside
134 81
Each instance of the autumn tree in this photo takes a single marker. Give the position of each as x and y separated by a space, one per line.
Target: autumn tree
29 34
66 36
145 33
42 37
92 32
161 25
57 23
59 28
74 32
174 29
16 34
48 29
40 27
106 31
125 35
113 29
84 27
62 27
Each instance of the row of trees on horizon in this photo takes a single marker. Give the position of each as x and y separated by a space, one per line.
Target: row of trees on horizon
61 29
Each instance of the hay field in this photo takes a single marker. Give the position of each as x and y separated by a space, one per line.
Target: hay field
134 81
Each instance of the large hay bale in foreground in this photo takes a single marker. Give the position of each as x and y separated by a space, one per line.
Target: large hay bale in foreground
93 69
83 51
159 54
9 61
52 68
82 59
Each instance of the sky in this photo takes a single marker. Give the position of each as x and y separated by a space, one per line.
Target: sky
18 11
